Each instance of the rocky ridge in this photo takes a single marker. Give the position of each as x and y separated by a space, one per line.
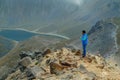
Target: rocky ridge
64 64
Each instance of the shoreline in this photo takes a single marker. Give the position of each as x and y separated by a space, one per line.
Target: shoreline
46 34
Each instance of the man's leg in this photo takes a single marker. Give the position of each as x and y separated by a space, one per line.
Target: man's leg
84 50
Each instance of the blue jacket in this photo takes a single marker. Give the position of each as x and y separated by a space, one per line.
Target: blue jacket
84 39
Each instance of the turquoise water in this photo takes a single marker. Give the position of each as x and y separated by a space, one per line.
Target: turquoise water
18 35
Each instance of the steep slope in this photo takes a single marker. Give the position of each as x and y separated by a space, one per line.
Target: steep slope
102 38
35 43
64 64
116 57
5 46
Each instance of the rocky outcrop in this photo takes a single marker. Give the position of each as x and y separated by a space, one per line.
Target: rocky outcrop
23 64
34 72
102 38
56 68
65 64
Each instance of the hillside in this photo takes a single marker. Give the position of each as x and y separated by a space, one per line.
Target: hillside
102 38
5 46
64 64
64 17
116 21
36 43
59 18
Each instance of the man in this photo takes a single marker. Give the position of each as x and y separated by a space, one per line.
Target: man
84 40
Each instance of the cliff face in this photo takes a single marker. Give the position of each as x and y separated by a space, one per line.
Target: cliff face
64 64
102 38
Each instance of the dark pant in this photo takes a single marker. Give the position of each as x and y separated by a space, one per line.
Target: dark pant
84 50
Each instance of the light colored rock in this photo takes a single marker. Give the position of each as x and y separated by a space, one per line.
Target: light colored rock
25 61
34 72
82 69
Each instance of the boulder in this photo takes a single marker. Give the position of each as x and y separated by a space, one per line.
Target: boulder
47 51
25 54
82 69
49 61
78 53
38 53
39 57
56 68
68 64
25 61
34 72
88 59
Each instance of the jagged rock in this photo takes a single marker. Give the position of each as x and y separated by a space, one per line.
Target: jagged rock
82 69
68 64
68 67
25 61
101 66
88 59
24 54
93 59
34 72
39 57
78 53
49 61
55 68
38 53
47 52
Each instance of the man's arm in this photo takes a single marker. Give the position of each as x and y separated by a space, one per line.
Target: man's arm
84 37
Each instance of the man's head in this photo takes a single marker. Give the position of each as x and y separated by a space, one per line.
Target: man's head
83 32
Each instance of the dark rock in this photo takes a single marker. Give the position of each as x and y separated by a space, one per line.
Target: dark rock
49 61
48 51
25 54
68 64
78 53
39 56
38 53
30 75
56 68
22 68
116 65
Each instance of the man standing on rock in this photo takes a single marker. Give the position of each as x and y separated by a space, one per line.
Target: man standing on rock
84 40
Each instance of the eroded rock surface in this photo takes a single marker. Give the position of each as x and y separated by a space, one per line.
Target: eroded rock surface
65 64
